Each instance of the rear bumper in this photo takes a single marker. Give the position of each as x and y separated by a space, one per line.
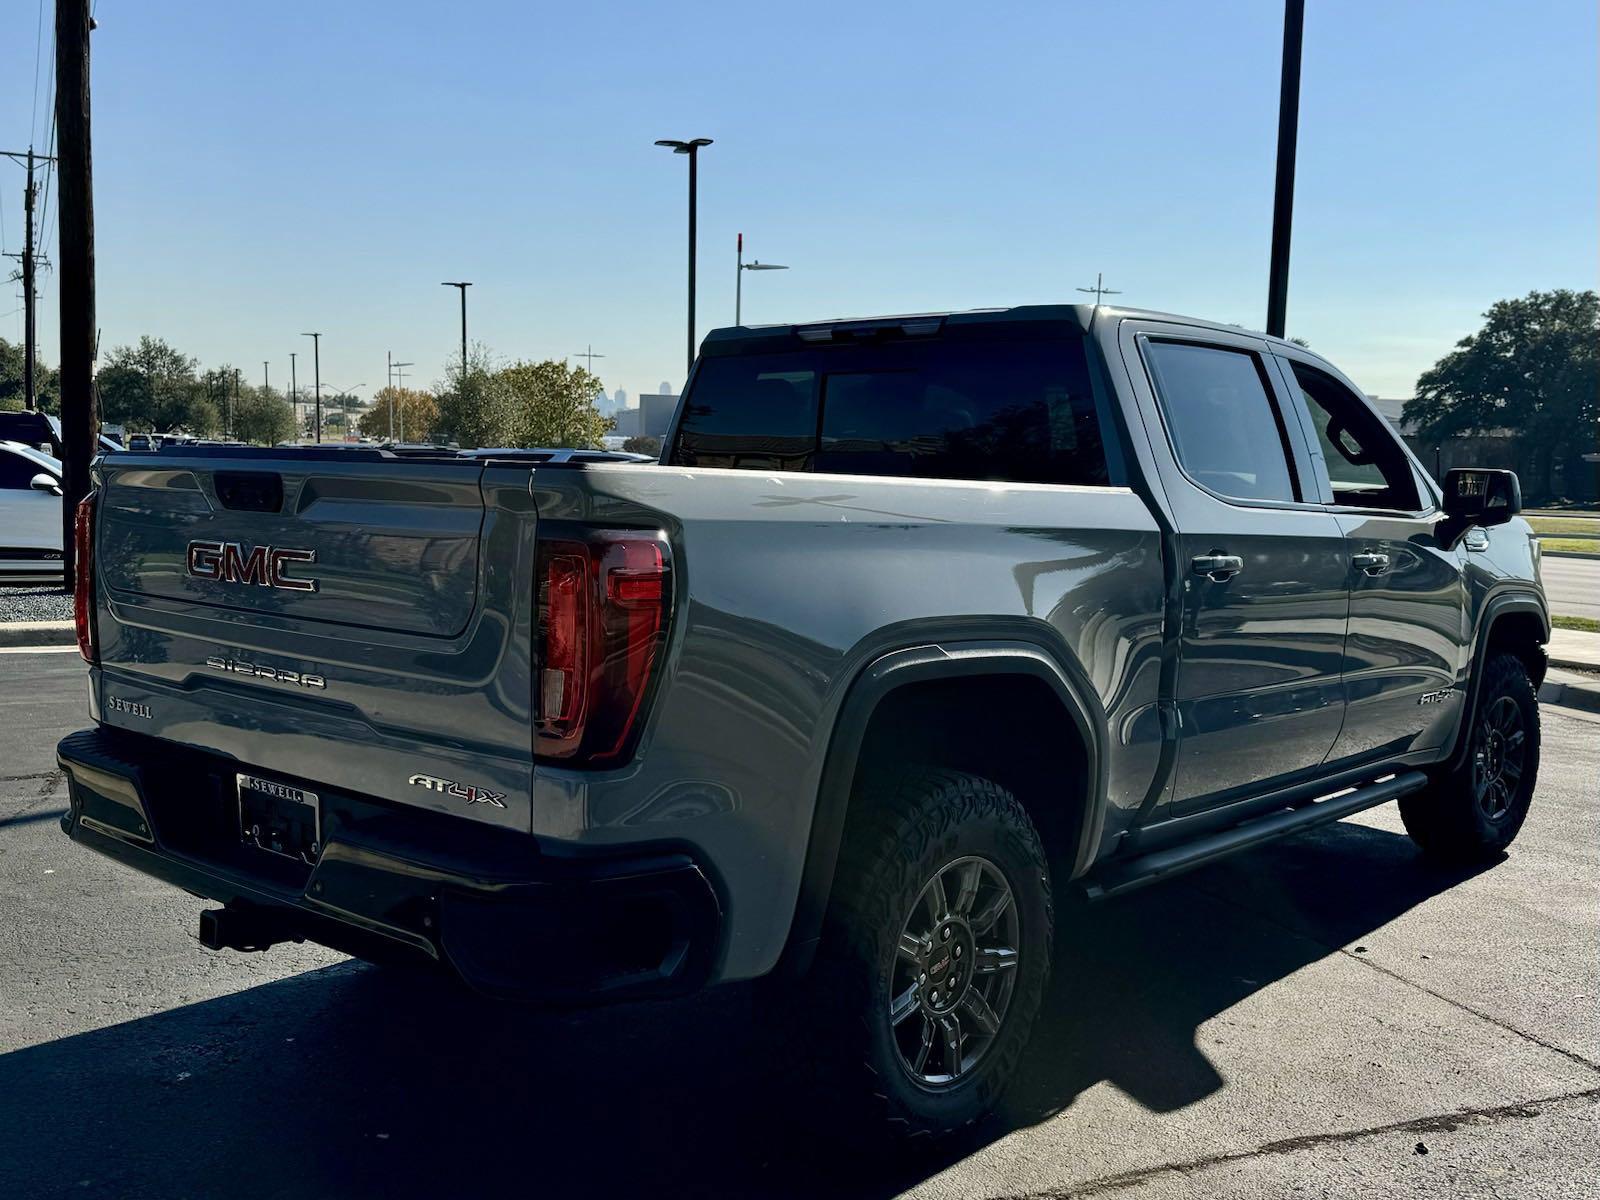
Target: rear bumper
489 905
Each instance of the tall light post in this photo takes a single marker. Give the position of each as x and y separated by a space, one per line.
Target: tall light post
1100 290
738 280
294 390
692 149
400 374
463 285
1294 20
316 362
344 408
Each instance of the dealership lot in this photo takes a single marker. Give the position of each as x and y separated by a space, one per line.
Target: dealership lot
1328 1014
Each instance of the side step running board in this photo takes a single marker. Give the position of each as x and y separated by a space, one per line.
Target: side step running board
1119 877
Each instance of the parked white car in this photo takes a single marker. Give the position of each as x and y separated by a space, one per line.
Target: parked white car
30 515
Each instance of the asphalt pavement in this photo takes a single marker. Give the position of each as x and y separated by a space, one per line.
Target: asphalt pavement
1571 585
1330 1015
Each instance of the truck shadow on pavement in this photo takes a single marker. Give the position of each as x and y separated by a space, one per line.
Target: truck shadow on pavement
356 1081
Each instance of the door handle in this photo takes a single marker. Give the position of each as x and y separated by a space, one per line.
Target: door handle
1370 564
1219 568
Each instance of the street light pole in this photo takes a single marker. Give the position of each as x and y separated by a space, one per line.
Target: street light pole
316 365
463 285
692 149
400 377
1294 19
738 288
294 390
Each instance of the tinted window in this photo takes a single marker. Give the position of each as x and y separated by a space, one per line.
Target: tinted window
1225 428
16 471
1019 411
1366 466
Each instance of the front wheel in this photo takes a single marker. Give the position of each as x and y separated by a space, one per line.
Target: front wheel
1473 813
936 952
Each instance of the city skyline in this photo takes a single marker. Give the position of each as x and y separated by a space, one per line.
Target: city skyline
278 173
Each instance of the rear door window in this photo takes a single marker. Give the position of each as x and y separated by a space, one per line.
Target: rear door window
1225 428
1015 411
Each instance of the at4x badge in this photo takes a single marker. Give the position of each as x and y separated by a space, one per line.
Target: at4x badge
465 791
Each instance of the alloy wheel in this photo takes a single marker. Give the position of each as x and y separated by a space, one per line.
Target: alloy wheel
1499 756
954 971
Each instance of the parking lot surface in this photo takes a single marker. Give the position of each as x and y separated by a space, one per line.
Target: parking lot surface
1330 1015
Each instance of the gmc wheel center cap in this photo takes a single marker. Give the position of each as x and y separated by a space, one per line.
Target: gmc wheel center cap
947 966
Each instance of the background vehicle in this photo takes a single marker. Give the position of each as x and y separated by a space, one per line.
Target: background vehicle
30 515
923 623
42 432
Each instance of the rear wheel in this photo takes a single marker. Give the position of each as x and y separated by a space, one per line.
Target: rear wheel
935 955
1474 812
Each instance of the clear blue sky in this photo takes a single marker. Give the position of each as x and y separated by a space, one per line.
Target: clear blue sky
266 169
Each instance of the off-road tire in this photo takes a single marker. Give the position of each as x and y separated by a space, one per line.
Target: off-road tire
903 830
1447 819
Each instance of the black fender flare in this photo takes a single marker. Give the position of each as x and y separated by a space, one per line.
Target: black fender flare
1499 604
871 685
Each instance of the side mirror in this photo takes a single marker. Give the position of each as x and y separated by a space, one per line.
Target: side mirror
45 482
1479 496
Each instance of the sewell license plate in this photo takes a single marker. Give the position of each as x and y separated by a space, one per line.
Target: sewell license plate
279 819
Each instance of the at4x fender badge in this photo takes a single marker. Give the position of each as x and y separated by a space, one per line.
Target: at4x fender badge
464 791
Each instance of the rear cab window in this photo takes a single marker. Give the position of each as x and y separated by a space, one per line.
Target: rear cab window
1223 423
1013 410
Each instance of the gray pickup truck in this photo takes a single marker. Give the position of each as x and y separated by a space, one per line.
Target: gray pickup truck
919 623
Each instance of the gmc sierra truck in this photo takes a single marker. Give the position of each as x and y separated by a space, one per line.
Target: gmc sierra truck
919 623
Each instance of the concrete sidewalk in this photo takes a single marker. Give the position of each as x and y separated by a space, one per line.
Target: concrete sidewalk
1575 650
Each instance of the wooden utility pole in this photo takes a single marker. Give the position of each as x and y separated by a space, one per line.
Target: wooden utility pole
30 386
80 417
30 273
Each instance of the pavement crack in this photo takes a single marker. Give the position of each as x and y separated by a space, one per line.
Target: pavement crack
1366 961
1438 1123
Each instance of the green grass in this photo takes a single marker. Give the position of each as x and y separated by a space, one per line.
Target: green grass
1588 527
1582 624
1571 545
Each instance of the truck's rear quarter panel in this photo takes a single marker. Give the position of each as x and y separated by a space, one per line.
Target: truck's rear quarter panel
788 584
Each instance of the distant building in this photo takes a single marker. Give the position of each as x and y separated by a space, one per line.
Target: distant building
627 420
655 413
1390 408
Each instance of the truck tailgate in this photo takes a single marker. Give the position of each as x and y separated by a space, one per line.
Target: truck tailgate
354 621
394 550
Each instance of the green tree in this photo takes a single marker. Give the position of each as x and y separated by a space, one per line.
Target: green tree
262 416
471 412
551 404
1533 369
13 376
406 413
152 386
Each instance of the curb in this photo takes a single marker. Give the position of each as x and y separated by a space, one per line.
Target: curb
1571 695
38 633
1568 554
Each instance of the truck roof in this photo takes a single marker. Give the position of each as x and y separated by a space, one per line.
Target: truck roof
743 339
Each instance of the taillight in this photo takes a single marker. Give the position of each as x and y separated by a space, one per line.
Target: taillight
83 578
603 607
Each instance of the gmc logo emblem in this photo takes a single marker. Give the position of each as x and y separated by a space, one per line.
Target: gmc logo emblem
264 566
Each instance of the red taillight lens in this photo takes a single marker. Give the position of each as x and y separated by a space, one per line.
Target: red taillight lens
83 577
603 606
